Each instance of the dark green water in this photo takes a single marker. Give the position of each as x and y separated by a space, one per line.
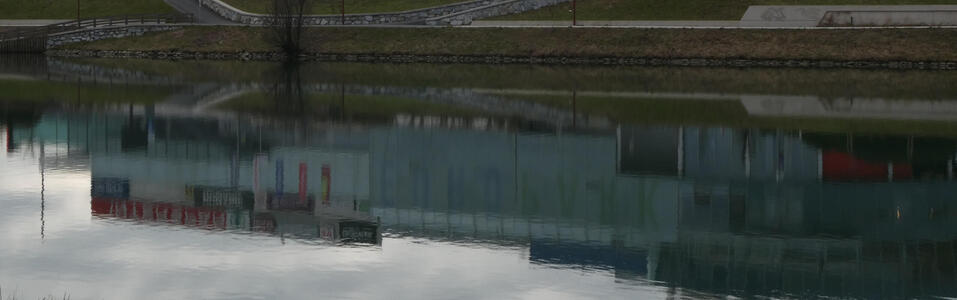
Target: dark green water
127 179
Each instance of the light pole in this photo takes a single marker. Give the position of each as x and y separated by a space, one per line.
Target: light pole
574 14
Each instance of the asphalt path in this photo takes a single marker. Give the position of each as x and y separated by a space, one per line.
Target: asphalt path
31 22
674 25
204 16
201 14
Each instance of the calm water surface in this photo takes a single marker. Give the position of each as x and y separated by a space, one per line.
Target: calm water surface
127 179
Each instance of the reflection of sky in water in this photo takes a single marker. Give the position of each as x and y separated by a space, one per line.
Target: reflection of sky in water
94 257
465 214
88 257
187 199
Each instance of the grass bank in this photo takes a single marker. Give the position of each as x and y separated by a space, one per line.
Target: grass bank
39 91
827 83
728 44
65 9
354 107
730 113
325 7
680 9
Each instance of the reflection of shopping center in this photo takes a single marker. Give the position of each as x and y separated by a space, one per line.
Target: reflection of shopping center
712 209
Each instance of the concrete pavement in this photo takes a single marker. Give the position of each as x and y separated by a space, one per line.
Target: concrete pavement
849 15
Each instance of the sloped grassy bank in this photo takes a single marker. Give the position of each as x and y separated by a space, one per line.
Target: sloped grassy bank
870 48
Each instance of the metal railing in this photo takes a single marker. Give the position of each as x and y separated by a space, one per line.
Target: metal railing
34 39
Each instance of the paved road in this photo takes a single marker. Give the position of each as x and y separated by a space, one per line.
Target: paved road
483 23
29 22
202 14
670 24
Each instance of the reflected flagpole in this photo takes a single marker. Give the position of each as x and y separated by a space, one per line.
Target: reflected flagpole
42 193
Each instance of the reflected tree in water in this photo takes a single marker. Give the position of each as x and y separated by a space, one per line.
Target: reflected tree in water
285 89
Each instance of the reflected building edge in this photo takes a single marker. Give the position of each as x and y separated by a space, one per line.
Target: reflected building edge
737 211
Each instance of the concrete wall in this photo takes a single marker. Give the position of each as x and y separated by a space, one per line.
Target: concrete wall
95 34
849 15
453 14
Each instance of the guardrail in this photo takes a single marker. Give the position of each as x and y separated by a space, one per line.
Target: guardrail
32 40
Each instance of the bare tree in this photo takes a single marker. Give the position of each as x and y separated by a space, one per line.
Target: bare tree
286 25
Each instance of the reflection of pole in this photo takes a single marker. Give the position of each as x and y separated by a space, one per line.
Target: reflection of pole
747 154
681 152
304 182
342 100
910 148
850 143
574 110
9 137
779 145
515 166
618 149
42 194
820 165
234 164
890 171
950 170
